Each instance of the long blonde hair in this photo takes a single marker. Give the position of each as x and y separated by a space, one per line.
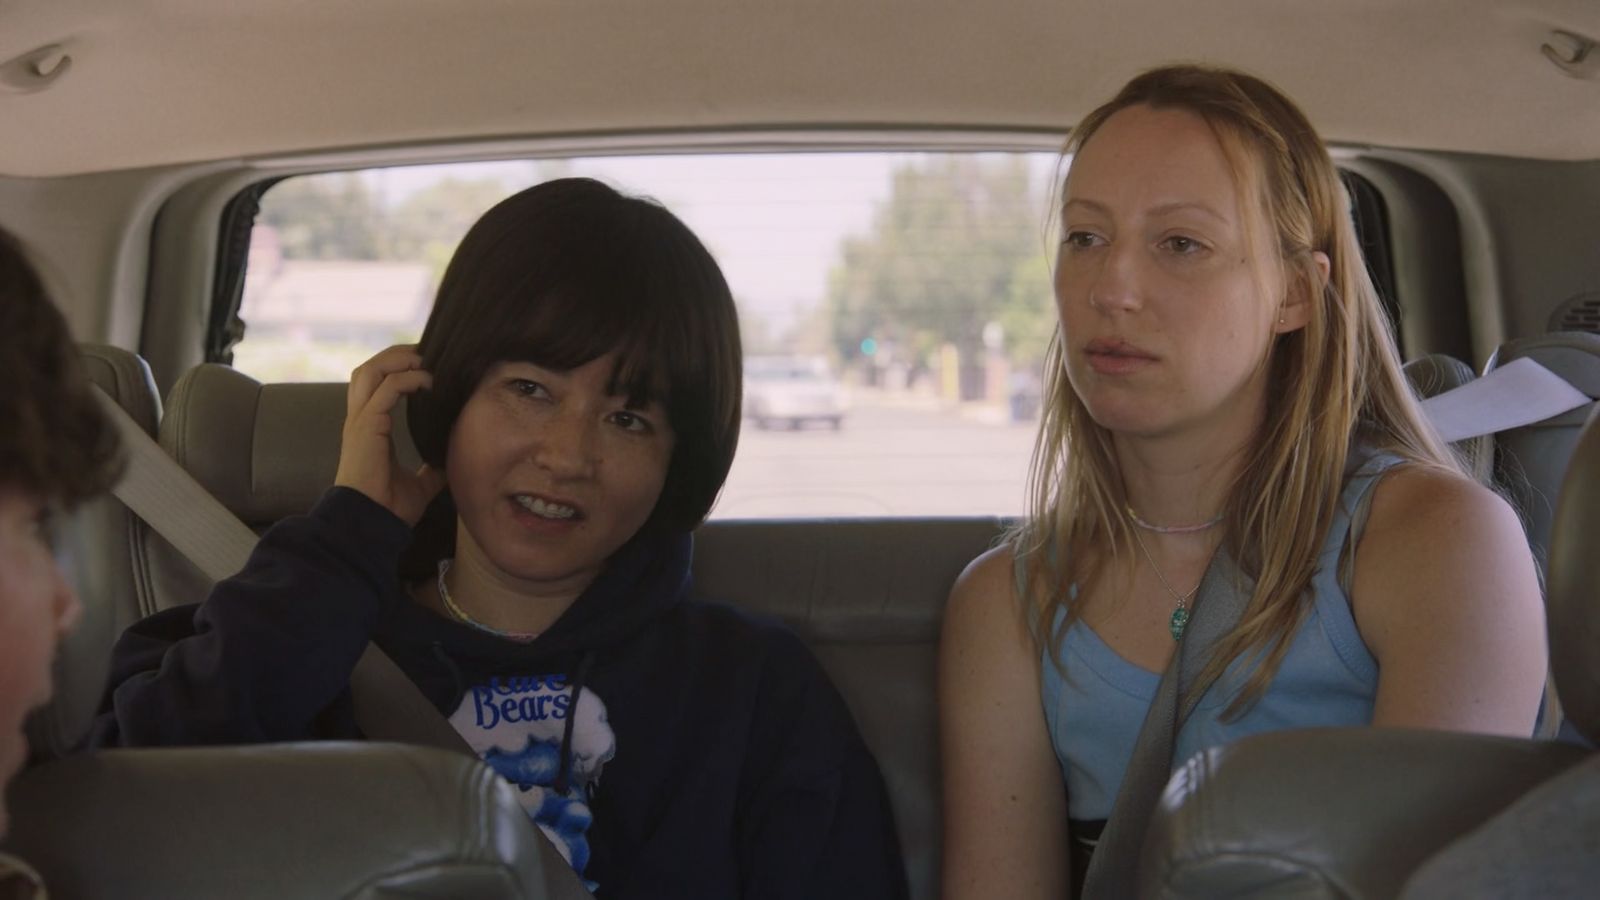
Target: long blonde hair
1336 379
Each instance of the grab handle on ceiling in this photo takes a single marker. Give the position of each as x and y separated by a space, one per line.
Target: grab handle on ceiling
35 70
1572 53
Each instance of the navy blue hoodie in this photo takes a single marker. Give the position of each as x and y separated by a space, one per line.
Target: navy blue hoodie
670 748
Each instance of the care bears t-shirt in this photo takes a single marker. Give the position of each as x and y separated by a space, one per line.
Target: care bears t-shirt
516 725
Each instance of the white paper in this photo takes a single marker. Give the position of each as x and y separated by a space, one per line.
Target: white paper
1521 392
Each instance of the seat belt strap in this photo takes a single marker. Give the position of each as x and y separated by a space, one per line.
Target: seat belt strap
388 705
1521 392
1219 604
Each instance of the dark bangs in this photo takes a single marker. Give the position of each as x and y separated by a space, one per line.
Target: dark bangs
599 306
568 271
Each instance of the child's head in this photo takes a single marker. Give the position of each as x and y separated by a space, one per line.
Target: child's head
568 271
55 448
55 443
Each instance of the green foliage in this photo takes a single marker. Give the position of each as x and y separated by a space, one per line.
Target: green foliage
332 216
1028 313
428 224
338 216
958 244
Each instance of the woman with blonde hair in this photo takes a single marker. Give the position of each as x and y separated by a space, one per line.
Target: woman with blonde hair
1224 388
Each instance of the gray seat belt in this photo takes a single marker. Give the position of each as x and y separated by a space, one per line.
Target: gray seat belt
1220 601
388 705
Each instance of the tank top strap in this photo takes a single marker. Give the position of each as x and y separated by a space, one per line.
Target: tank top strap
1365 468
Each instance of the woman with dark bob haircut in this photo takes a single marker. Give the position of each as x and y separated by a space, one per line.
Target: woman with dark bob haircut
575 397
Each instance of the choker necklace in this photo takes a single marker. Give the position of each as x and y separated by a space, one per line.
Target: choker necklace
521 637
1180 616
1171 529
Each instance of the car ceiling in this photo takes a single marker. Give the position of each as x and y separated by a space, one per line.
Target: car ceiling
156 82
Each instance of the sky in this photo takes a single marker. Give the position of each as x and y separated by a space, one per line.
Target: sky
774 221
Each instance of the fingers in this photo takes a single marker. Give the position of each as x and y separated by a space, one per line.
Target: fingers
369 375
366 453
375 413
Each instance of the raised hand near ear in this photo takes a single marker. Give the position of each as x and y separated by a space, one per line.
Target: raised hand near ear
367 460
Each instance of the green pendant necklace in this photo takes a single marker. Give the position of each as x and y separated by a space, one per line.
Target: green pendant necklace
1180 615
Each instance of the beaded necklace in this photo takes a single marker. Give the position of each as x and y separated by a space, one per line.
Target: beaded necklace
1172 529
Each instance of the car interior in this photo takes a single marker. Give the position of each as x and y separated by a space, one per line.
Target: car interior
141 146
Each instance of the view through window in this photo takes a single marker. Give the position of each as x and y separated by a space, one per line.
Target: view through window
895 307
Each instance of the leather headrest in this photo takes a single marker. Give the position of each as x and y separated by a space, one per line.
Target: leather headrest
1573 586
265 451
126 377
1436 373
1570 354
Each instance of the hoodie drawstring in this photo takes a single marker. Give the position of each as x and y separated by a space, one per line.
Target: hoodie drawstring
578 678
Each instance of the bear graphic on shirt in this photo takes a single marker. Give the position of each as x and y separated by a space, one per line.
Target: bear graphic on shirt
516 725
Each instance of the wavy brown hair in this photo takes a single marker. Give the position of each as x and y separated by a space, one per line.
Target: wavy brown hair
1336 380
55 443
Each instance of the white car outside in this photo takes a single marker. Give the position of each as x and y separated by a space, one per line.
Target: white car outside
790 391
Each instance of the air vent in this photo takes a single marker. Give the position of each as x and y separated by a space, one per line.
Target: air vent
1581 312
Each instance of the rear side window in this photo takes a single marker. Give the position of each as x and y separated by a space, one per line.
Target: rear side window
895 307
1372 231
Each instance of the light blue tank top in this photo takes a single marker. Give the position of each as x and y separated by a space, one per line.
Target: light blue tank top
1327 678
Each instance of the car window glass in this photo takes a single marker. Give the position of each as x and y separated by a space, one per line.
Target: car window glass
895 307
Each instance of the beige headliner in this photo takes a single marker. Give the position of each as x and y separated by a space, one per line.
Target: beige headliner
167 81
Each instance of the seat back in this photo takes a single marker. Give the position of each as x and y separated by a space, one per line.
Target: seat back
867 596
264 451
1435 374
348 821
101 547
1530 461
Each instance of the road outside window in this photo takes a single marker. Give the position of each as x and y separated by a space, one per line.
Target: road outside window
895 307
